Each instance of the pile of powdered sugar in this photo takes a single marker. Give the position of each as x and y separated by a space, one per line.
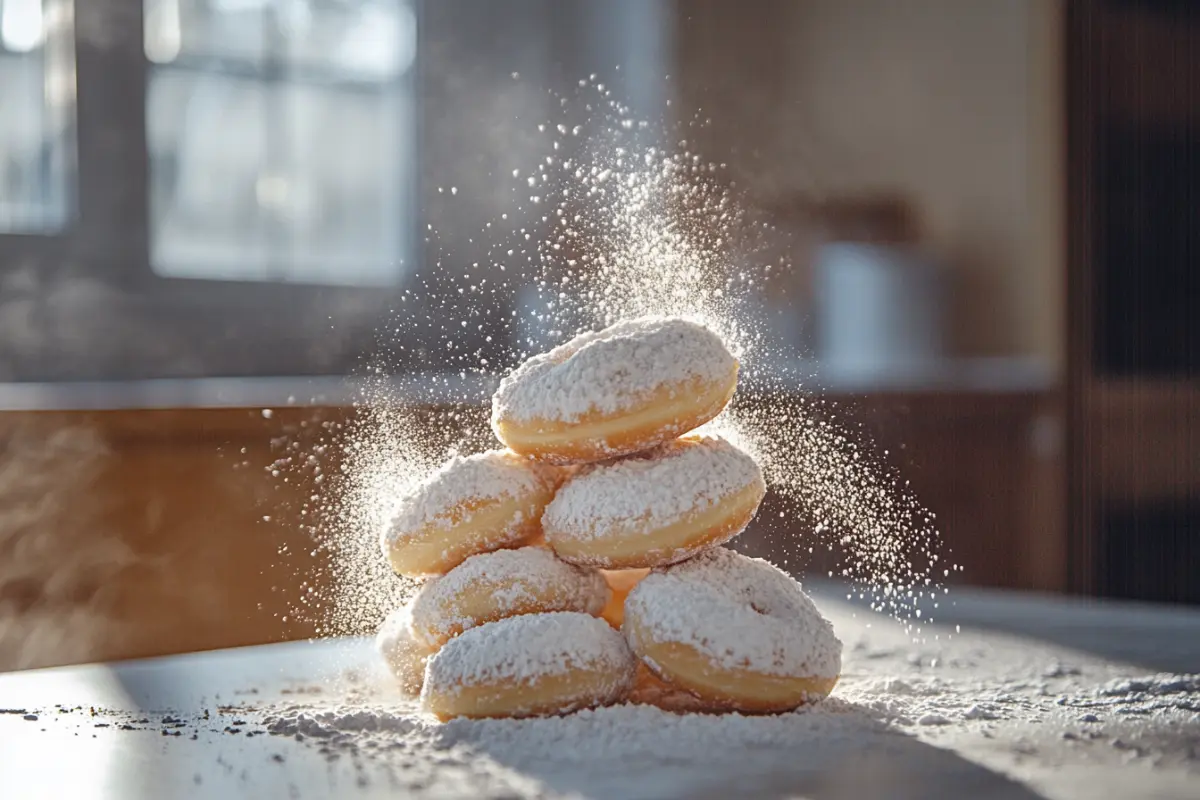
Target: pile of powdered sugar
741 612
655 488
517 579
609 370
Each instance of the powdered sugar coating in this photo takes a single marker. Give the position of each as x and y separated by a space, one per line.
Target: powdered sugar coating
405 656
523 650
650 490
611 370
516 580
495 474
743 613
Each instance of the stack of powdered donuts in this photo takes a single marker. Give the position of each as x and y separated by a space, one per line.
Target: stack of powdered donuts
582 566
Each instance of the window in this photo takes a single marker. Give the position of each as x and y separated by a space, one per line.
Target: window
281 139
37 115
233 188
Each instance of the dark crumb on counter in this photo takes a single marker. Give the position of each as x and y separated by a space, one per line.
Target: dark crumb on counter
101 725
13 711
276 757
30 717
128 727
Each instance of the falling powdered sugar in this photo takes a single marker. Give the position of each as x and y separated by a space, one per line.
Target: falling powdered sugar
611 370
652 489
652 229
741 612
515 582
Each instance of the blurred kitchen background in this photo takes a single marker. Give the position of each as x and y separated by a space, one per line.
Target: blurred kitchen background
208 208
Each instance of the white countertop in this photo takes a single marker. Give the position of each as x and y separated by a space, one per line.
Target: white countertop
1036 697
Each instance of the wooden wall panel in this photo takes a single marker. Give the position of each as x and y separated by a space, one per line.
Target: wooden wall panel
985 465
126 534
142 533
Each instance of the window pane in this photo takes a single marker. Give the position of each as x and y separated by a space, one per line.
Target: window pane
285 155
37 115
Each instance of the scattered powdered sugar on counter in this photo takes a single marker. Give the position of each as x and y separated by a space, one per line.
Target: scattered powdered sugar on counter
610 370
979 715
654 489
741 612
522 649
982 715
618 751
881 727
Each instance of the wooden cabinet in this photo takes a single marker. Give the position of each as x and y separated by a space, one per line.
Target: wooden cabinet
1133 381
136 533
989 466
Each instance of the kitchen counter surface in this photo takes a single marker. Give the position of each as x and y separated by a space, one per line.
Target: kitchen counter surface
1033 697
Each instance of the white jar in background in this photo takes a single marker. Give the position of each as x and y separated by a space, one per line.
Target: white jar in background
879 311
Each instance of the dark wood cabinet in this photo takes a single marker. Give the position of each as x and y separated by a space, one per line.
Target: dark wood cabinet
1133 135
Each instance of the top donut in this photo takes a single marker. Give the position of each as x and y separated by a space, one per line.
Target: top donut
622 390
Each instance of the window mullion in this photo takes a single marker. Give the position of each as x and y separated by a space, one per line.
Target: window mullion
112 232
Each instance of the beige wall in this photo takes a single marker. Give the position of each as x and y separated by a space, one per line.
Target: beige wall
956 103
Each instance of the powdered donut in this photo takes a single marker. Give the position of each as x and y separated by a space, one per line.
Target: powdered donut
471 505
404 654
650 690
526 666
622 390
655 508
506 583
735 631
620 583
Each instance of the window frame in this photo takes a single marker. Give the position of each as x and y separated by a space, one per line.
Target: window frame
106 238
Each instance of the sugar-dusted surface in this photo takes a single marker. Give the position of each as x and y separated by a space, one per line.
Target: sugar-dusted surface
515 580
522 650
611 370
741 612
494 474
404 655
1025 714
650 490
